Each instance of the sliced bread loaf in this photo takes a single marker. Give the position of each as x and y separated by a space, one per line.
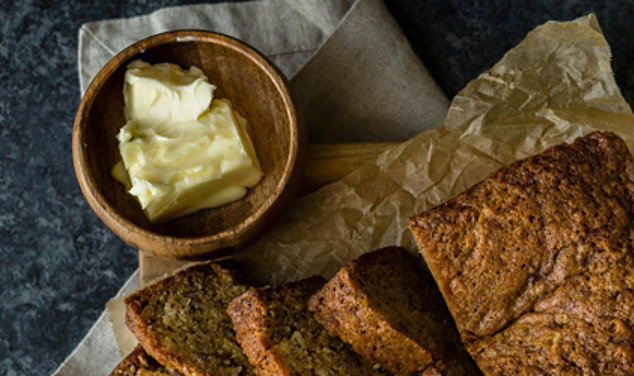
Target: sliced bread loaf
182 322
536 262
281 337
384 307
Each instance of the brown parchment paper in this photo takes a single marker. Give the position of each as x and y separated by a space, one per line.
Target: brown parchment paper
554 86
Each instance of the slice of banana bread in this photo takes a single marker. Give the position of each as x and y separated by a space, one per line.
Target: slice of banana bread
383 305
281 337
139 363
182 322
536 263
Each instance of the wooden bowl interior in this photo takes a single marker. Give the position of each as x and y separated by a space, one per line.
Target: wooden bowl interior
254 96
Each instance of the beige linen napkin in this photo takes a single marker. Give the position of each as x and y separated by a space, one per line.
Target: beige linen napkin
354 73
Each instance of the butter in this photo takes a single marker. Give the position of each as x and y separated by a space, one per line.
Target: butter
181 150
164 93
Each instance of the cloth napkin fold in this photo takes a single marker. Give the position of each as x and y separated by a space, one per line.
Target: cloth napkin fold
352 71
353 74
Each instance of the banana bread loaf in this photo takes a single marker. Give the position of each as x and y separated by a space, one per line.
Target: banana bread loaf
536 262
281 337
139 363
182 322
384 307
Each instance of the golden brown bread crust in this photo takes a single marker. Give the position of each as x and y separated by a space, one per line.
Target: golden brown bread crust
536 262
182 323
139 363
281 338
382 305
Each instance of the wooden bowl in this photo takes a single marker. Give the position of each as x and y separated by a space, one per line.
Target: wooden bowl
257 91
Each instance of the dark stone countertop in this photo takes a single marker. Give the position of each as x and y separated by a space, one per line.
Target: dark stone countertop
61 264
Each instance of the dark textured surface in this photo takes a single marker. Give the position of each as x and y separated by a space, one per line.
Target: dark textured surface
60 263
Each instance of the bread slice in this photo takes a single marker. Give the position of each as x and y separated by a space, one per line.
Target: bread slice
536 263
281 337
182 322
383 305
139 363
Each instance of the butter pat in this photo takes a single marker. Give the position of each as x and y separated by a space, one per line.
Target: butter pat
183 151
164 93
